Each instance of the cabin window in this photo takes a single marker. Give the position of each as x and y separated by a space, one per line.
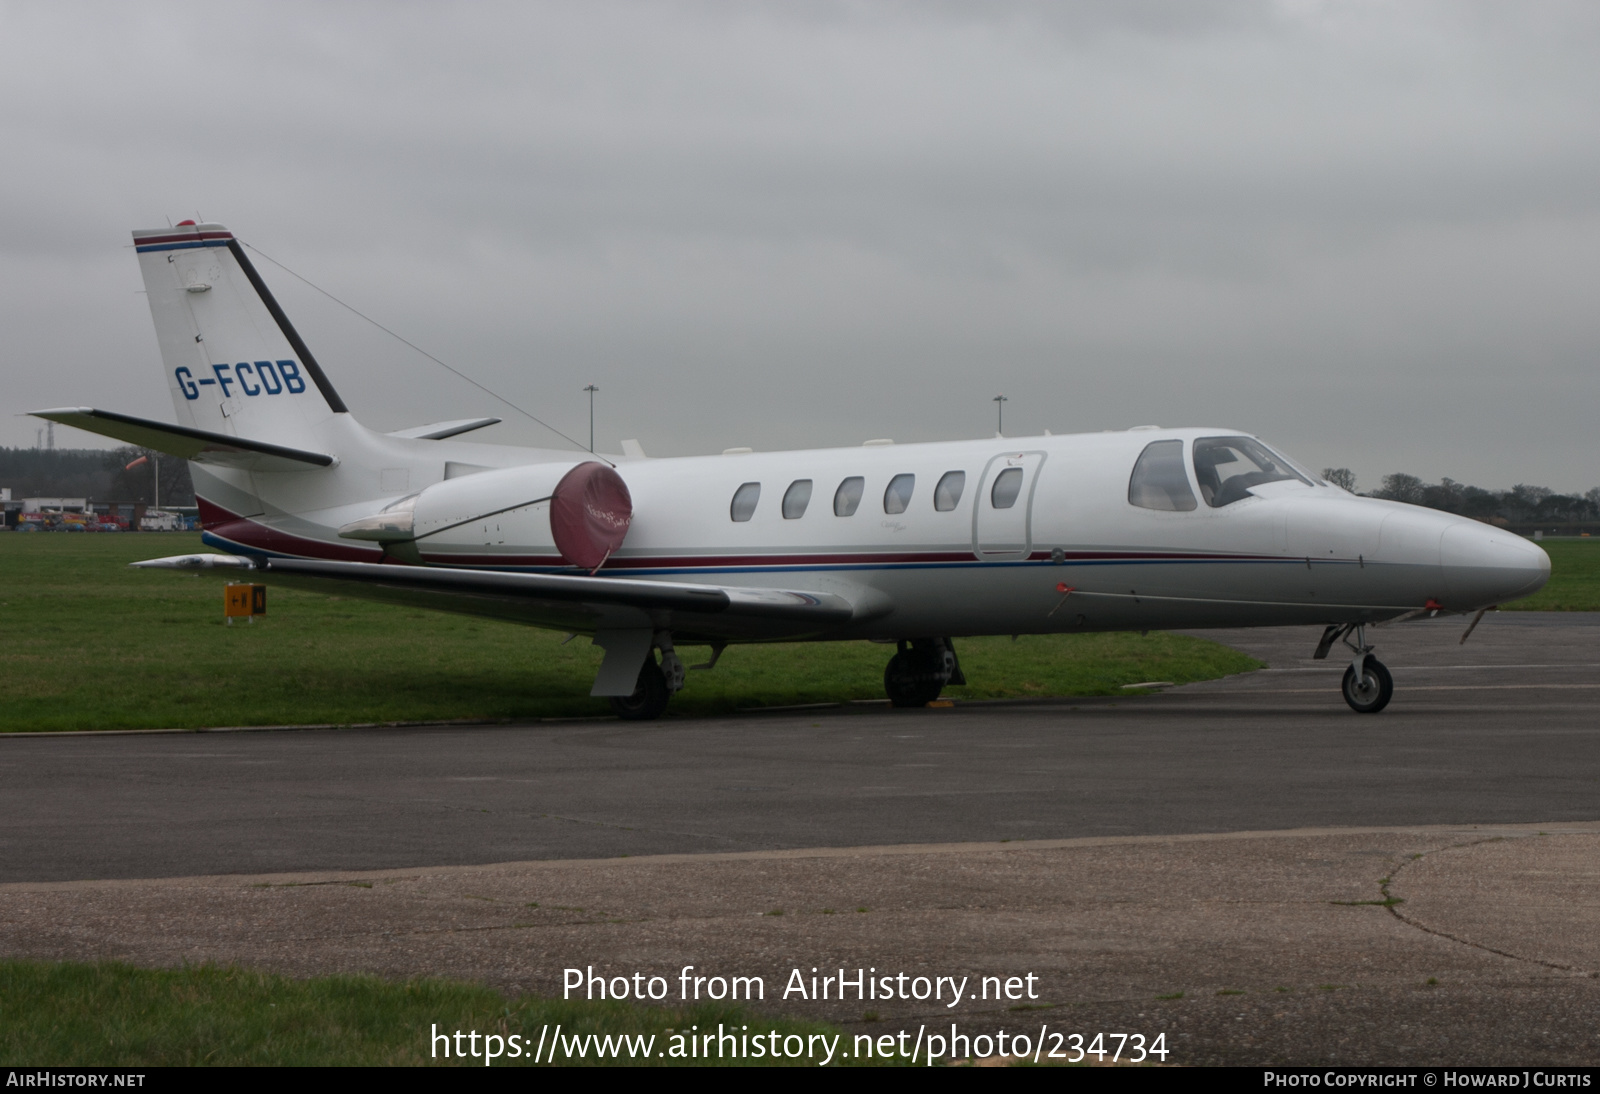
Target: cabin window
1160 480
947 495
1007 485
796 498
897 498
848 497
744 501
1227 467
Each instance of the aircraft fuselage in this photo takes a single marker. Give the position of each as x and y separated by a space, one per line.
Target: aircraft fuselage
1070 551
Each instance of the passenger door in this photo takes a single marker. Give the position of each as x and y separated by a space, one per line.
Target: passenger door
1002 509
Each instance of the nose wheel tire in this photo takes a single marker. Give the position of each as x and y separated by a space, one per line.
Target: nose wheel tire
1372 692
649 698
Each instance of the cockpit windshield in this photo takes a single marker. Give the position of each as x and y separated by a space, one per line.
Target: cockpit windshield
1227 467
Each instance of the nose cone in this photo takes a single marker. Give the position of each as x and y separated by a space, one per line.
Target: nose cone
1485 565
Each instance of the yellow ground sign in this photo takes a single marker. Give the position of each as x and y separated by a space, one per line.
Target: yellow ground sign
244 600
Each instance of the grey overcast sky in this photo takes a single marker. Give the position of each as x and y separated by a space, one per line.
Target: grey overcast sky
1368 232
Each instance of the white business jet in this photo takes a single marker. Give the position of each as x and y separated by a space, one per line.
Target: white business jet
916 544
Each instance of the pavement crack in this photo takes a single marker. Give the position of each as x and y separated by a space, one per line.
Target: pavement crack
1391 904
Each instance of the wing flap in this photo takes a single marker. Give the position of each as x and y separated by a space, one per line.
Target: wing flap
199 445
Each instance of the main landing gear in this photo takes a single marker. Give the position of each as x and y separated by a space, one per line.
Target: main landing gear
920 670
657 684
1367 685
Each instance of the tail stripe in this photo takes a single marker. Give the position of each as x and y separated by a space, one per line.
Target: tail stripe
318 377
184 242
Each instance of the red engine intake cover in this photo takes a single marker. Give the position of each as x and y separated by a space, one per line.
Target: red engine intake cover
589 514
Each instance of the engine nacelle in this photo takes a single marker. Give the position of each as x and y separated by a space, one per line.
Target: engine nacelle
544 514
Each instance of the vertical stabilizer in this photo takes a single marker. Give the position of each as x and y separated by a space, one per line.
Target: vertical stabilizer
234 363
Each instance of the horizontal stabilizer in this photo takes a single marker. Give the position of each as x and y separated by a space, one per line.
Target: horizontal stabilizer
438 431
198 445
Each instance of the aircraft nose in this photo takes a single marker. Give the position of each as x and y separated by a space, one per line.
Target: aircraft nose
1485 565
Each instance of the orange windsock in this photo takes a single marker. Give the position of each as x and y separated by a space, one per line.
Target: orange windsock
137 462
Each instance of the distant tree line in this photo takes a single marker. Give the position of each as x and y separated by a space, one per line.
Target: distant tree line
95 473
1520 505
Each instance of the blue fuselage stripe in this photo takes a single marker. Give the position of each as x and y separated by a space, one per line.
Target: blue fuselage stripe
181 246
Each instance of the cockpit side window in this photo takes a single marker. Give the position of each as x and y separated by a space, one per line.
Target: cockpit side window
1159 479
1227 467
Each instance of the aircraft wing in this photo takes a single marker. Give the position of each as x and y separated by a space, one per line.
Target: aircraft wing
578 603
198 445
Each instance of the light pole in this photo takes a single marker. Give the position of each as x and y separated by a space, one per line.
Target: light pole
1000 414
591 389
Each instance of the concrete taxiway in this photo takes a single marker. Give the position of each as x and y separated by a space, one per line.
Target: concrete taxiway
1224 838
1501 730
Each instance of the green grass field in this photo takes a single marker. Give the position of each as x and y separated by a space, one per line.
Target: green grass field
87 643
1574 578
113 1015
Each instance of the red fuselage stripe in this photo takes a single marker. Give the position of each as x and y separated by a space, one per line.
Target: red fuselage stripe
249 533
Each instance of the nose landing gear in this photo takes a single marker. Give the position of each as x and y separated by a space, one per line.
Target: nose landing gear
919 672
1367 685
1368 689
